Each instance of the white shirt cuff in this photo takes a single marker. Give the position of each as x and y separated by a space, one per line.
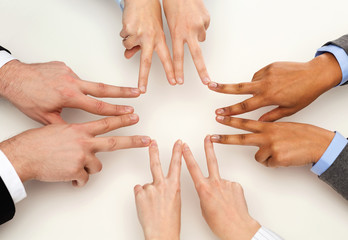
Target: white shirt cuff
11 179
5 57
266 234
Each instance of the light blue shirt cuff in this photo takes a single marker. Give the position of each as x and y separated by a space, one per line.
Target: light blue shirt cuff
335 148
341 57
121 4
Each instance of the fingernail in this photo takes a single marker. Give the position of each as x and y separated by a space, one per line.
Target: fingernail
142 89
135 90
128 109
153 143
172 81
133 117
215 138
213 85
145 140
180 81
206 80
220 118
220 111
179 142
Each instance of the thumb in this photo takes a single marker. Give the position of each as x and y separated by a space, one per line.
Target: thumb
275 114
128 53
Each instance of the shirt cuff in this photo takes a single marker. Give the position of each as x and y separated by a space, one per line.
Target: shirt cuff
334 149
265 234
121 4
341 57
11 179
5 57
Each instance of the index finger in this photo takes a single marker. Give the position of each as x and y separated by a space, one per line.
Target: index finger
145 65
155 163
163 53
241 123
192 165
254 139
107 91
213 167
239 88
198 60
248 105
175 163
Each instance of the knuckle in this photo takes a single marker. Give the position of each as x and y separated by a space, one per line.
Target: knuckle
99 106
99 166
105 124
113 143
244 105
242 138
101 88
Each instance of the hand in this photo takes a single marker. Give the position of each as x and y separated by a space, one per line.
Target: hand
159 203
290 86
42 90
281 144
143 29
188 21
66 152
223 203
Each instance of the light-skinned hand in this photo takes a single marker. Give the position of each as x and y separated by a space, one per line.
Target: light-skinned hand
66 152
288 85
42 90
143 30
188 21
223 203
281 144
159 203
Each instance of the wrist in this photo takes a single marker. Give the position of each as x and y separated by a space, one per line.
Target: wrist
244 231
9 78
326 71
10 148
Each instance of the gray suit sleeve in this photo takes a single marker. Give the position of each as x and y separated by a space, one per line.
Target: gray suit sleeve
342 42
337 174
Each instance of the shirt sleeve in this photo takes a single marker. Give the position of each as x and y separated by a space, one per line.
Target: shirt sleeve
341 57
121 4
5 57
266 234
11 179
328 158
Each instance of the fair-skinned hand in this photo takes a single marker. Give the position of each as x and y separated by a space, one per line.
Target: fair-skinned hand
42 90
290 86
188 22
159 203
66 152
281 144
223 203
143 30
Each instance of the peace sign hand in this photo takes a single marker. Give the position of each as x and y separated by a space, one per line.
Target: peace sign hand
223 203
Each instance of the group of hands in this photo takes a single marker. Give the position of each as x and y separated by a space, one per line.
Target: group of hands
66 152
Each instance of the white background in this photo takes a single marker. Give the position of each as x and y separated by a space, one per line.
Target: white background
244 36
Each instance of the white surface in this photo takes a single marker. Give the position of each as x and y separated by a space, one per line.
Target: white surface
243 37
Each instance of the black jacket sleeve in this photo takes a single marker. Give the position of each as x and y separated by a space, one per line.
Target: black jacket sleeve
4 49
337 174
7 207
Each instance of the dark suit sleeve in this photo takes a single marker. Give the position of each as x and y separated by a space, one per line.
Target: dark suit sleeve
337 174
342 42
4 49
7 207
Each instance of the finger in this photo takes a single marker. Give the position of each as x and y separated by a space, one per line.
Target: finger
192 165
130 53
263 155
213 167
155 163
198 60
106 125
240 88
109 144
107 91
138 189
276 114
202 36
178 60
248 105
145 65
54 118
98 107
124 33
131 42
93 165
239 139
163 53
241 123
175 163
81 179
